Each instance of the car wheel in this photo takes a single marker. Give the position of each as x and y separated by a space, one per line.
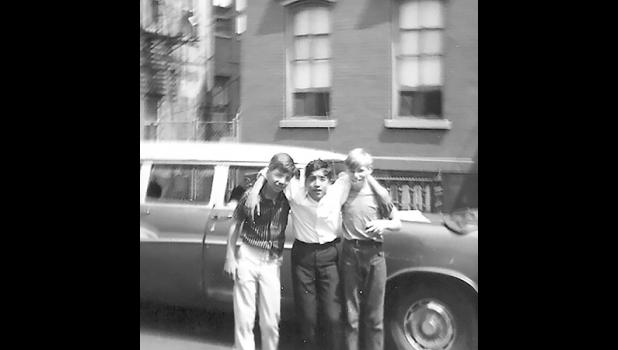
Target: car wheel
431 315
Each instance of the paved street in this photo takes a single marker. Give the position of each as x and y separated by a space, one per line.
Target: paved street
165 327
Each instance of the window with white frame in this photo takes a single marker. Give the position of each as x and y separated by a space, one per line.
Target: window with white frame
241 16
310 61
151 116
224 17
419 51
222 3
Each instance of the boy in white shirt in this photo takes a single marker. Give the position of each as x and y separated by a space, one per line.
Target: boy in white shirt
315 256
367 212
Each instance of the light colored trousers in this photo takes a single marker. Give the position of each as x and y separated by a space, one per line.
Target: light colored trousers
257 274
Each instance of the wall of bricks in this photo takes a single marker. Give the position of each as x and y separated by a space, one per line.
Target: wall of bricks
361 89
361 95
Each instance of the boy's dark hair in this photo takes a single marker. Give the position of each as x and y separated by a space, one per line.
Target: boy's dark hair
282 162
317 165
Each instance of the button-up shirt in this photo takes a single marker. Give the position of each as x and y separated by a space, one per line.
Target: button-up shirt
268 229
307 226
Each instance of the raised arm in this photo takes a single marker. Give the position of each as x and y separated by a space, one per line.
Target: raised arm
334 198
295 188
378 227
379 189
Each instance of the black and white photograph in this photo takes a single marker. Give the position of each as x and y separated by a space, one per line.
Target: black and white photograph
308 174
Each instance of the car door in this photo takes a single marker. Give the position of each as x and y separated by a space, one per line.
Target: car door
217 286
174 214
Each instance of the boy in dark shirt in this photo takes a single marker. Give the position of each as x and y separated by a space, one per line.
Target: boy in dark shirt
255 268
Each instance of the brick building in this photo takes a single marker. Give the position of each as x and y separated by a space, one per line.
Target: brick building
396 77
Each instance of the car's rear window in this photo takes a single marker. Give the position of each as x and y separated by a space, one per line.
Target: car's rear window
190 184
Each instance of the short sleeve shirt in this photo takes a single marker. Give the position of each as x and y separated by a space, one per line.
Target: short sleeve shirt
360 208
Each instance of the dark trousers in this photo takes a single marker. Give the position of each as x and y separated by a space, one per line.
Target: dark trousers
315 277
364 283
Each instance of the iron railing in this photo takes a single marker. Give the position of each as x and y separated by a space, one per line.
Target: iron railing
419 193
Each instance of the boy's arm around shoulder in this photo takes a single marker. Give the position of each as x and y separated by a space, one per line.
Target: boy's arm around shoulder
394 222
252 203
379 189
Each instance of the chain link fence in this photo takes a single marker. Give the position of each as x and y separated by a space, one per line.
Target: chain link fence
191 130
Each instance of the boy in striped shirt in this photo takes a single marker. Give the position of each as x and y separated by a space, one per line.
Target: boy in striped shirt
255 268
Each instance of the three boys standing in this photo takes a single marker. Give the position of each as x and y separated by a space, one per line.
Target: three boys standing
363 209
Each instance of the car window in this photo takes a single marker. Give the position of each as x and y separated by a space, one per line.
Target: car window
239 179
188 184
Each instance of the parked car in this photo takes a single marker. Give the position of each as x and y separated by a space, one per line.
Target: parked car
186 211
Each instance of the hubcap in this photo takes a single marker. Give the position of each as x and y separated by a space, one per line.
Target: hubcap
429 325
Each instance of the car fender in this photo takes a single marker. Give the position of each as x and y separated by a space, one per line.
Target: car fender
435 271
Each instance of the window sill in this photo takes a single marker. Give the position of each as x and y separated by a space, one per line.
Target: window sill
307 123
418 123
290 2
224 35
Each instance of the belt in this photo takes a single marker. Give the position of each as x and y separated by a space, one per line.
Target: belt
363 243
333 242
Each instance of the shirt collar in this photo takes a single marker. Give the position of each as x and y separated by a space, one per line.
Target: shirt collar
310 198
277 199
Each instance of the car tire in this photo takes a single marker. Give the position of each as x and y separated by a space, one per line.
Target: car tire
431 314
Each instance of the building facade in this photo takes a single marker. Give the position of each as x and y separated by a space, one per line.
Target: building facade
176 69
396 77
228 27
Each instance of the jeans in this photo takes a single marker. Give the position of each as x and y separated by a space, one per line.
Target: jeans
257 274
364 284
315 276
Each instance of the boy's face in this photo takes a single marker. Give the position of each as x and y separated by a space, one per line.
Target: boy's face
316 184
358 176
277 180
